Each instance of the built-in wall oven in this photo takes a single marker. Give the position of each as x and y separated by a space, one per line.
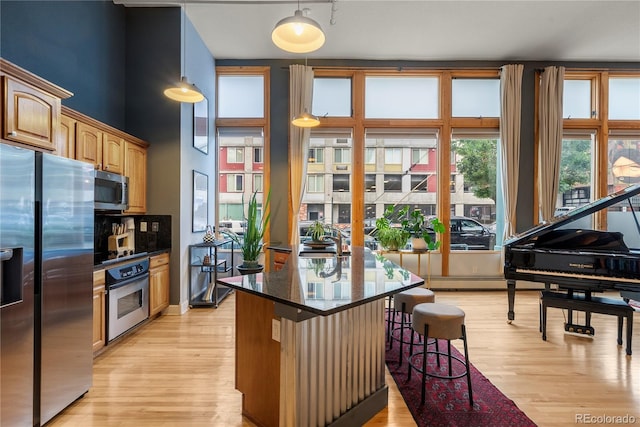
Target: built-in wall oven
127 296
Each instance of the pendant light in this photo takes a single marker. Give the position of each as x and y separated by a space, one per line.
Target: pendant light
184 91
298 33
305 120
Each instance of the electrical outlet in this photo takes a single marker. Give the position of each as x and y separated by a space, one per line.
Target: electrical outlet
275 330
155 226
143 226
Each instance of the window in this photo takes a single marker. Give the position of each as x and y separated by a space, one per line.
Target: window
577 99
315 183
475 97
370 156
235 155
240 96
370 182
419 156
624 98
316 155
576 166
258 183
331 97
342 155
393 156
393 182
258 155
624 160
419 182
234 183
476 167
341 182
401 97
315 212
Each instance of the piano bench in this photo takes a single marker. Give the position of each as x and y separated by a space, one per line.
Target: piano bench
580 302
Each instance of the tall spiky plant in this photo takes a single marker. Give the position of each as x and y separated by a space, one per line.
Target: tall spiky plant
252 240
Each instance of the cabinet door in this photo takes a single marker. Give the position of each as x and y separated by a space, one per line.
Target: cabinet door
66 144
158 289
112 154
89 144
31 116
135 167
99 313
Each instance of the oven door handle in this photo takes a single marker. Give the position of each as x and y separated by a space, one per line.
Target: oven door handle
128 281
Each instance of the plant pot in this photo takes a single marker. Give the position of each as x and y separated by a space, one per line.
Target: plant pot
418 244
250 268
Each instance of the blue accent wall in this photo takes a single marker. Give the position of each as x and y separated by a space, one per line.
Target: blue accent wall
78 45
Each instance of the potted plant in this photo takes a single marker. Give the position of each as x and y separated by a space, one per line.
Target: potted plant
390 238
421 230
251 242
317 231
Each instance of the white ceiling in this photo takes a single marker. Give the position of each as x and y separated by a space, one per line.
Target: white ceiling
500 30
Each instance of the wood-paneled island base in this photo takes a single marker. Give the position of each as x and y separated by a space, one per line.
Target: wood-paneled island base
328 313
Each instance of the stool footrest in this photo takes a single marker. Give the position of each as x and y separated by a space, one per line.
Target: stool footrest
438 354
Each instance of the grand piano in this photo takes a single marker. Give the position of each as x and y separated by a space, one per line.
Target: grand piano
569 252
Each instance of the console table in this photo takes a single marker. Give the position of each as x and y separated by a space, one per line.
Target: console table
310 345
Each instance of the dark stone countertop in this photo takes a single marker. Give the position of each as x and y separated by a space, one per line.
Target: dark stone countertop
328 284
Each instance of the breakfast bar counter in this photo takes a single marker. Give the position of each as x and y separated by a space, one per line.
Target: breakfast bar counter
310 341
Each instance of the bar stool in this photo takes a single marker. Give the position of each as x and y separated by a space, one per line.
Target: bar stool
439 321
403 303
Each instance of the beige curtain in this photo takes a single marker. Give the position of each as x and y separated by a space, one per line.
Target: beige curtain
510 113
550 144
300 97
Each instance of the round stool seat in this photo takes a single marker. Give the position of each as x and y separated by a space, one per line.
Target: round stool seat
445 321
411 298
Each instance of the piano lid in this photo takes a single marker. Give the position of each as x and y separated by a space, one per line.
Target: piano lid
578 219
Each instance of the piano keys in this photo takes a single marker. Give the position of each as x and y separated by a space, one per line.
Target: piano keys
569 252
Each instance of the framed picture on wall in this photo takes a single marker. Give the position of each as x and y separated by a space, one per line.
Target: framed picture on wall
201 126
200 201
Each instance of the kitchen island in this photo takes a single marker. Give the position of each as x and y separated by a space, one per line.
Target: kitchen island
310 343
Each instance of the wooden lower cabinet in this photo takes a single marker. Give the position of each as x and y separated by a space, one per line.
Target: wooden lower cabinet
99 311
158 283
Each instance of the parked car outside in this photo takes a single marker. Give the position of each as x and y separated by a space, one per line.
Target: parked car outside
469 234
235 226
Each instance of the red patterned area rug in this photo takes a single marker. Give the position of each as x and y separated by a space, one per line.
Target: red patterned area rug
447 401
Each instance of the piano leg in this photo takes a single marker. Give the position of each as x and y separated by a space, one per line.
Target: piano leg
511 295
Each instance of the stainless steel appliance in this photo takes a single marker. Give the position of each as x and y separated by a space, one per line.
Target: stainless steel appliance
46 236
128 297
111 191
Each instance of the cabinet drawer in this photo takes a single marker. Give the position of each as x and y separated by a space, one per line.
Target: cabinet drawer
159 260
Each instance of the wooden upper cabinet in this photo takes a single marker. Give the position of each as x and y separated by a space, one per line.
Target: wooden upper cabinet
66 144
31 108
32 116
112 153
135 167
89 144
104 150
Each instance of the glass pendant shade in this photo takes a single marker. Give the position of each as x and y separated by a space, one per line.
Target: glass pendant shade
298 34
184 92
305 120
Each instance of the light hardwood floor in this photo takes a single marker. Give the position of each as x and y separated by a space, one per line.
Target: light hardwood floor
179 370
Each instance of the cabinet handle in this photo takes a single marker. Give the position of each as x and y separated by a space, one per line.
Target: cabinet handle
106 168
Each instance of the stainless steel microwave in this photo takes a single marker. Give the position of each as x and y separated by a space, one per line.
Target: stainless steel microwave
111 191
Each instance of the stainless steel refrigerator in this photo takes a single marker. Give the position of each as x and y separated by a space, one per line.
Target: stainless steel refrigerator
46 287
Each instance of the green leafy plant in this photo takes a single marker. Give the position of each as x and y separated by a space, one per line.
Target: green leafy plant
251 242
317 231
391 238
416 224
